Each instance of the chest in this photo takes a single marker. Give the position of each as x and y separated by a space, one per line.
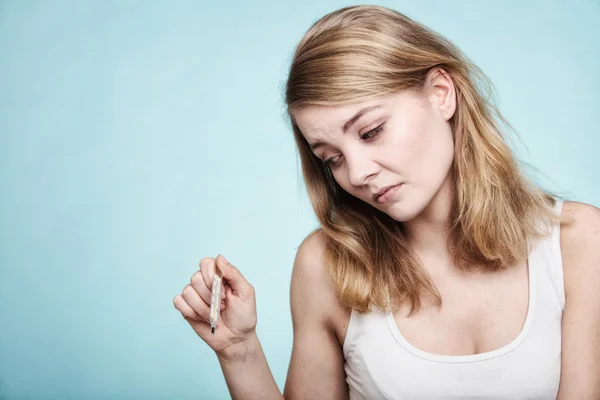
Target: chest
479 313
489 340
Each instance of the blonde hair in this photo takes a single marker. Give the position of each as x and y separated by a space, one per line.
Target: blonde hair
364 52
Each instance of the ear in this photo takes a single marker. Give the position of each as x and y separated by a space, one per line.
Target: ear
441 92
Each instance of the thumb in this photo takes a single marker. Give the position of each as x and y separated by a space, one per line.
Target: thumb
233 276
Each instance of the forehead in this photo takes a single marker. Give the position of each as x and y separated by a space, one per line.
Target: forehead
315 120
318 121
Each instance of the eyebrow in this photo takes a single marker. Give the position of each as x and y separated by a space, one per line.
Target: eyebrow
348 124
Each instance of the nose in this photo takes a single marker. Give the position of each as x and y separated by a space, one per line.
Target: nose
360 168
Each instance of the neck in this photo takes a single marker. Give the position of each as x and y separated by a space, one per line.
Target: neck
428 232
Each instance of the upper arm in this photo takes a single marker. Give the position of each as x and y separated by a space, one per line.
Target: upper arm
580 247
317 363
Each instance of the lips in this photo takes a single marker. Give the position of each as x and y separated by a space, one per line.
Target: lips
388 194
382 191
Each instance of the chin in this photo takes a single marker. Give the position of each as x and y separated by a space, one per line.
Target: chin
403 211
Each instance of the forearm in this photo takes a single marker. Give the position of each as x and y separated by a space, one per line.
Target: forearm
247 373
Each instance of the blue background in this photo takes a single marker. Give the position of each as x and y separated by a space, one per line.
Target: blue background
137 137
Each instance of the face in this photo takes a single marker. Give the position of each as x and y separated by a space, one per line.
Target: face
403 141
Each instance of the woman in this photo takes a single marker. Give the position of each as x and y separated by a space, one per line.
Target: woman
439 270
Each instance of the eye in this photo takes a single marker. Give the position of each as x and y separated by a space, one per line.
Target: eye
373 132
332 161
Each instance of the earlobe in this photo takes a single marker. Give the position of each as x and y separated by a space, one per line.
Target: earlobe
449 106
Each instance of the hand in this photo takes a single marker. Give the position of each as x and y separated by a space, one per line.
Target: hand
237 323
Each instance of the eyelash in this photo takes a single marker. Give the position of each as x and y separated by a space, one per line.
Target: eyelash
367 137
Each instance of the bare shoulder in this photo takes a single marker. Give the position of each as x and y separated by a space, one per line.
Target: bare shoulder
316 351
309 258
310 277
580 247
580 239
583 214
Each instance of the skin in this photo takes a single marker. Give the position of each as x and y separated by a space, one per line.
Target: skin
415 149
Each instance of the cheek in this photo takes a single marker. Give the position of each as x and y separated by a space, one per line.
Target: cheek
428 154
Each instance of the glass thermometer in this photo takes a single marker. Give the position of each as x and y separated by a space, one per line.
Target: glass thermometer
215 300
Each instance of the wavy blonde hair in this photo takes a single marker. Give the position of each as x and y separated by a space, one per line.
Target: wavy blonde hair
364 52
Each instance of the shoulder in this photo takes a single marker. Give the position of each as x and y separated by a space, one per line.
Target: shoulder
309 264
311 251
317 351
311 283
580 244
580 247
581 235
583 215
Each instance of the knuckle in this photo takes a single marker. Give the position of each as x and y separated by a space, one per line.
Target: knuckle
188 290
205 262
197 278
236 271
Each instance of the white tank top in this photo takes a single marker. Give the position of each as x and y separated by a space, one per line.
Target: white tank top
381 364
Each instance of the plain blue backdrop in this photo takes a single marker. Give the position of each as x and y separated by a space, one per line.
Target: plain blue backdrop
137 137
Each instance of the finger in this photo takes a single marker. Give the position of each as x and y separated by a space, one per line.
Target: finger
193 299
233 276
197 282
227 290
207 269
225 286
184 308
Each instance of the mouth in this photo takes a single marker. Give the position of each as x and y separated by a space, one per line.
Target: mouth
384 194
